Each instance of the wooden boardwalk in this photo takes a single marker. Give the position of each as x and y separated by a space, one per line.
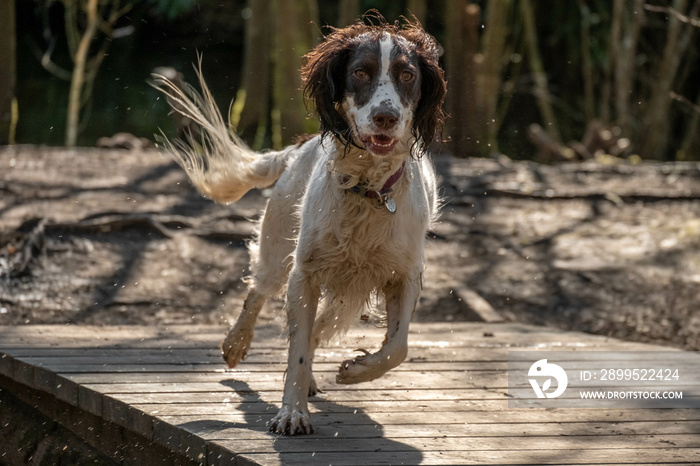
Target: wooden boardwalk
163 395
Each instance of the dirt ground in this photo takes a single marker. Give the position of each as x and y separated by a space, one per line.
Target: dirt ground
94 236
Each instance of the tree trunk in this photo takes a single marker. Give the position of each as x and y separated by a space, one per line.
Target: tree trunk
624 72
613 53
78 78
656 123
8 70
586 62
249 113
461 44
491 70
295 35
537 70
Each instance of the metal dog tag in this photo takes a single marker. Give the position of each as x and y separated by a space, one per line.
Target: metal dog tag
390 205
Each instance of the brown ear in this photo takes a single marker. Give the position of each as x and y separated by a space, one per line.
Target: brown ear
429 116
323 75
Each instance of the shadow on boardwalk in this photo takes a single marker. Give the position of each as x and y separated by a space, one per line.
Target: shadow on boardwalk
253 440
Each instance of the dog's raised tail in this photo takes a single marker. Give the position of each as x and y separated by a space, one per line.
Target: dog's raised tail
219 164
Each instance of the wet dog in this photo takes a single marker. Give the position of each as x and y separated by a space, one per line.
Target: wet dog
348 215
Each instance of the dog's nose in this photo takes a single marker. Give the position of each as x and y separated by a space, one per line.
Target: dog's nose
385 120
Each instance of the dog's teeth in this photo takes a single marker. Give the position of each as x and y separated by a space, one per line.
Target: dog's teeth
380 144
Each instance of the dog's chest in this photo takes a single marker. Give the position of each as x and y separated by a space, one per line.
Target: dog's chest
366 244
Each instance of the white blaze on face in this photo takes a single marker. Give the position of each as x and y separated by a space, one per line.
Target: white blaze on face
385 46
385 97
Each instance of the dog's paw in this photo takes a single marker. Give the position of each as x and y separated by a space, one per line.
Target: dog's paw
360 369
235 347
291 422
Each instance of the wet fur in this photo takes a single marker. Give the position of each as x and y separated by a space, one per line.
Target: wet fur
329 248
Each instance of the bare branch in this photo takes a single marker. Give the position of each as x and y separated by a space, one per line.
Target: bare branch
44 58
70 18
689 104
673 12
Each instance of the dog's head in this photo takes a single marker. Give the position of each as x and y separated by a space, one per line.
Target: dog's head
377 85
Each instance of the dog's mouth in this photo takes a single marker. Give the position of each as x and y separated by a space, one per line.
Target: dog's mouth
379 144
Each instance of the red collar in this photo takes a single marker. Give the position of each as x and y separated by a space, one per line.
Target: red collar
363 190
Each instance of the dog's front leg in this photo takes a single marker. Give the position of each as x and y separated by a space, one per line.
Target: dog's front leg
302 300
401 299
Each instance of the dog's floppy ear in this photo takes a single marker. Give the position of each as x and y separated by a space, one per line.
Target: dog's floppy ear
323 75
429 116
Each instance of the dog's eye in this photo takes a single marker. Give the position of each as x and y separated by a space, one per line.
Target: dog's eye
360 73
406 76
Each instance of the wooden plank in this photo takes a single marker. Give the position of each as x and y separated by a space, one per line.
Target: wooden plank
65 351
418 349
484 359
90 400
142 372
234 428
317 404
273 381
560 416
5 364
314 443
140 422
115 411
472 457
65 390
97 334
478 398
42 379
149 359
421 334
180 440
479 385
431 359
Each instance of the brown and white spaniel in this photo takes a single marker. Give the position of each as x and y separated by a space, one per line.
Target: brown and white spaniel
348 215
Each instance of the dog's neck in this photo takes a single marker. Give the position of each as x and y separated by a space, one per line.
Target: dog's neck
359 166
